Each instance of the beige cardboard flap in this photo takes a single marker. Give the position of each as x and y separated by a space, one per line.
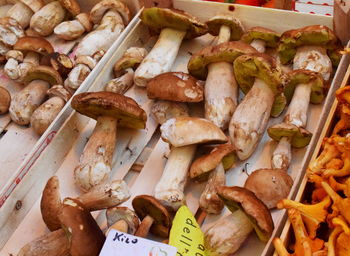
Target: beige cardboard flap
342 20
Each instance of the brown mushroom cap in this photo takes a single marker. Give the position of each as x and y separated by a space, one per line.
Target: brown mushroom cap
34 5
5 100
62 63
97 12
270 37
269 185
175 86
44 73
50 204
34 44
241 198
147 205
116 214
86 237
208 162
215 23
226 52
72 6
123 108
299 137
159 18
84 19
184 131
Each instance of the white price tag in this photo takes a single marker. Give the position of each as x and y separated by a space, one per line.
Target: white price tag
122 244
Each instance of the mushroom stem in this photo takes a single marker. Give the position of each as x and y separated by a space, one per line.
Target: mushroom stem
21 13
250 119
170 188
121 84
161 58
298 108
120 225
95 162
11 69
228 234
282 155
221 92
144 227
224 34
31 59
209 200
259 45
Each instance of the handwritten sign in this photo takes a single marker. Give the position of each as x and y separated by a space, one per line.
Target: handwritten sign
121 244
186 235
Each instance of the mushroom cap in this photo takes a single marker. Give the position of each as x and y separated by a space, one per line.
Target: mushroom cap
72 6
59 91
5 100
130 59
175 86
258 65
50 204
34 44
84 19
215 23
159 18
184 131
44 73
226 52
98 11
123 108
311 35
303 76
269 185
208 162
164 110
270 37
241 198
86 237
11 30
299 137
62 63
147 205
34 5
115 214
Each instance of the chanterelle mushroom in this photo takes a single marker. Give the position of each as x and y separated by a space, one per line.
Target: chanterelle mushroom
23 10
5 100
110 110
174 26
262 80
228 234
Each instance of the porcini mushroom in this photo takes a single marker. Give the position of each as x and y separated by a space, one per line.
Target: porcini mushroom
183 133
227 235
123 70
260 38
262 80
155 217
173 26
23 10
73 29
269 185
32 96
312 67
110 110
5 100
43 116
48 17
11 31
164 110
122 219
61 63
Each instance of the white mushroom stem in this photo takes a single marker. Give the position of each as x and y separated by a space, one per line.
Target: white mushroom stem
11 69
228 234
250 119
27 100
282 155
161 58
30 60
224 34
77 76
121 84
170 188
95 162
69 30
21 13
209 200
120 225
259 45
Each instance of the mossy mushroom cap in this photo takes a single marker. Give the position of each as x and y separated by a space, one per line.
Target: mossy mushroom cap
160 18
44 73
215 23
237 198
317 35
258 65
226 52
270 37
299 137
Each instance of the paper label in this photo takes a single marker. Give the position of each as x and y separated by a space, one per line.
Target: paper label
121 244
186 235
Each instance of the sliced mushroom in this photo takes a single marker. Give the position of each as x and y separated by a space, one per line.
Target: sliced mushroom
173 26
71 30
110 110
23 10
122 217
5 100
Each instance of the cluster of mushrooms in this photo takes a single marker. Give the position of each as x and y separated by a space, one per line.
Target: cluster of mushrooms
51 77
321 222
296 71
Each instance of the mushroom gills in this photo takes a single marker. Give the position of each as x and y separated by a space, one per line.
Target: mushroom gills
250 119
282 155
259 45
161 58
170 188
